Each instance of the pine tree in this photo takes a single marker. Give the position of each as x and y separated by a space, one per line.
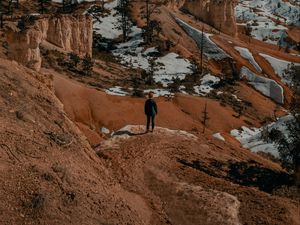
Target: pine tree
289 142
150 79
43 4
151 7
67 5
87 64
125 23
74 60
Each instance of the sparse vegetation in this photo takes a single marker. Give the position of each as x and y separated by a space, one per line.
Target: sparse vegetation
205 117
151 6
87 65
43 6
123 8
288 142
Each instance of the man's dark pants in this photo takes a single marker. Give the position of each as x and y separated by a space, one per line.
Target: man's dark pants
150 117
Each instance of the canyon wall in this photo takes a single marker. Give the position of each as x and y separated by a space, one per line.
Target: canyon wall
217 13
65 32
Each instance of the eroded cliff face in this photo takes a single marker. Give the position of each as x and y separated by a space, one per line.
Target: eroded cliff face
24 47
71 33
68 33
217 13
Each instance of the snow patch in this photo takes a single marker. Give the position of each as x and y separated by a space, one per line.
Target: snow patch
252 138
170 67
207 83
219 136
159 92
117 90
210 49
265 17
104 130
280 67
245 53
264 85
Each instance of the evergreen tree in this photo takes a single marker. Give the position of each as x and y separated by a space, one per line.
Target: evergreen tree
125 23
43 6
151 7
289 142
87 65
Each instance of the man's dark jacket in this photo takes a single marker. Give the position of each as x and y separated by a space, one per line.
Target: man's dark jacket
150 107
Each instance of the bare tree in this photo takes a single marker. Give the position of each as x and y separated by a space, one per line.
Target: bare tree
201 50
204 117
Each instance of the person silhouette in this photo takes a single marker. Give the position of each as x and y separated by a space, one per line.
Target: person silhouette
150 111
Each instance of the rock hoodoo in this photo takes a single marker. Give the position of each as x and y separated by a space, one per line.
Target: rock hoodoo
68 33
222 18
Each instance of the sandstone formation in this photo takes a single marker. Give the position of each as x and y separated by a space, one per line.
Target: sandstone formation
217 13
68 33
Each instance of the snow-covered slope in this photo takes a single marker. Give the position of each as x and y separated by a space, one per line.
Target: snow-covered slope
210 49
133 54
280 67
245 53
264 85
108 26
252 138
265 16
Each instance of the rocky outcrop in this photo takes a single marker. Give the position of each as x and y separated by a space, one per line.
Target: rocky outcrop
217 13
23 47
71 33
67 33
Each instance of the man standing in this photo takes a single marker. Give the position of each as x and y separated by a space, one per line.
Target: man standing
150 111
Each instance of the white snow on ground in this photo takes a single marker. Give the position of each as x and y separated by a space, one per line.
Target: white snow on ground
245 53
206 84
280 67
252 138
263 16
104 130
165 68
236 97
268 32
171 66
133 55
266 86
210 49
219 136
116 91
159 92
108 26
